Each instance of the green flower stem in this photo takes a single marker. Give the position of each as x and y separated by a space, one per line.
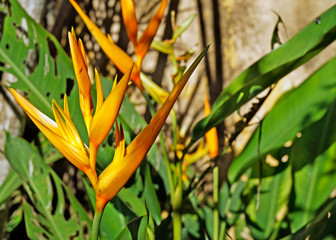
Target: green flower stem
100 205
175 130
95 225
177 203
215 199
222 230
177 225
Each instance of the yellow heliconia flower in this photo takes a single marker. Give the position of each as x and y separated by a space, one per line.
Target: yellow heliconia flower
62 133
113 51
211 136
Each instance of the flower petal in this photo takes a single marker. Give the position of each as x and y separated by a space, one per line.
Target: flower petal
82 76
32 110
99 89
130 21
79 64
211 136
103 120
78 157
115 53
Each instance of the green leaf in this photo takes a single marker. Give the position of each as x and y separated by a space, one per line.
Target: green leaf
321 227
192 224
48 218
208 219
314 168
163 46
11 183
273 200
34 56
134 229
150 196
132 201
183 26
295 111
269 69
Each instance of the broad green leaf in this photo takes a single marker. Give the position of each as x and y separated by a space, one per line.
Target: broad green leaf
11 183
295 111
16 216
268 70
314 168
322 226
134 229
48 194
132 201
274 197
34 56
313 185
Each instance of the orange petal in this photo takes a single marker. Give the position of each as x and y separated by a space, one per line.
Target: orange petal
103 120
130 21
83 80
148 35
211 136
79 66
116 54
99 89
115 176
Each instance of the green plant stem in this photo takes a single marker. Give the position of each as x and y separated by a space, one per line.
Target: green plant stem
222 230
177 225
177 203
215 199
95 225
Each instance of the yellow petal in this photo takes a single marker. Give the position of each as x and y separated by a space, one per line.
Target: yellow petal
148 35
130 21
115 53
32 110
78 157
103 120
211 136
66 126
115 176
